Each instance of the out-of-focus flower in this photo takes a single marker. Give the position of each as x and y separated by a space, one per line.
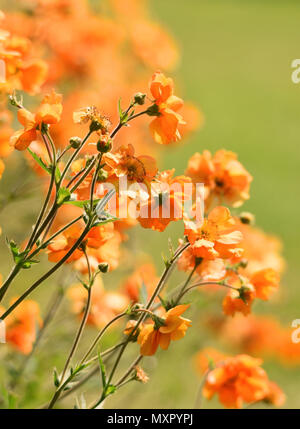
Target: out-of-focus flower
2 168
172 327
22 71
140 375
144 276
241 379
5 133
226 180
265 283
21 326
260 249
153 45
165 127
105 305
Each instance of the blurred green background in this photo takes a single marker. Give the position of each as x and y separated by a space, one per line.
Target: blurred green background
236 66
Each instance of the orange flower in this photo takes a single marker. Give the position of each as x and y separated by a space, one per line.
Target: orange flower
124 163
5 133
174 328
233 304
49 112
61 244
166 202
21 326
216 237
265 282
144 276
2 168
164 128
104 305
208 270
261 250
225 179
239 379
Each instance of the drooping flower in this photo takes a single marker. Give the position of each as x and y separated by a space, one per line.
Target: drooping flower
172 327
165 127
49 112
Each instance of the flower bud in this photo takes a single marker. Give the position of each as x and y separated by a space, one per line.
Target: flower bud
103 267
104 145
247 218
139 98
75 142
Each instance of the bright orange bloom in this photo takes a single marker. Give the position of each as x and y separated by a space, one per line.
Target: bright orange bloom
174 328
124 162
216 237
104 305
61 245
95 238
226 180
208 270
49 112
166 202
144 276
164 128
21 326
240 379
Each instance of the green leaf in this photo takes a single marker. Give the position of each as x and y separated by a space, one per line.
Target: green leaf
81 203
63 195
39 161
105 218
57 174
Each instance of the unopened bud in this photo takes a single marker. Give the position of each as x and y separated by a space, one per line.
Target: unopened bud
104 145
75 142
139 98
103 267
247 218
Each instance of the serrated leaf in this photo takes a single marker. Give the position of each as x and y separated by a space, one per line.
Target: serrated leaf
39 161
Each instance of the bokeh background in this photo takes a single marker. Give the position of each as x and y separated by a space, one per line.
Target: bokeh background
236 66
